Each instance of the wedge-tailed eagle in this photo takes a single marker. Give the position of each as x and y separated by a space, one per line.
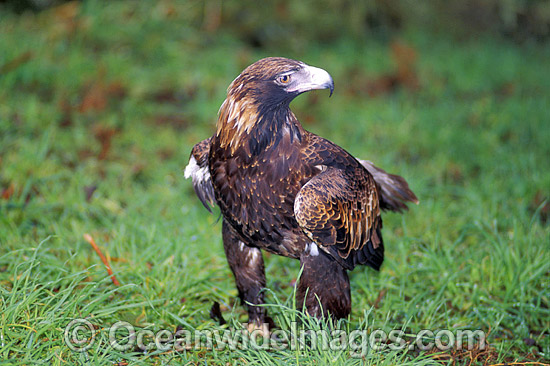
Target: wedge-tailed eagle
290 192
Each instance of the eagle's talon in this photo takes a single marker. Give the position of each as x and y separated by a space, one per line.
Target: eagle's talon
261 329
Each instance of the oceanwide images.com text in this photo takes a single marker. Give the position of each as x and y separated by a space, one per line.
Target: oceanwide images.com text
81 335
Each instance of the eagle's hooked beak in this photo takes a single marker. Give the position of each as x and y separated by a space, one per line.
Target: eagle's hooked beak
310 78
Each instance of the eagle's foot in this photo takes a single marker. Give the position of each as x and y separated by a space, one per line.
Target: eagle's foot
261 329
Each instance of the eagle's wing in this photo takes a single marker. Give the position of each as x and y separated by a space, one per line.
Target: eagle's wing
339 211
394 190
198 171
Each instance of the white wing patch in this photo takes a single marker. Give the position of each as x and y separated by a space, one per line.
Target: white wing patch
195 172
201 182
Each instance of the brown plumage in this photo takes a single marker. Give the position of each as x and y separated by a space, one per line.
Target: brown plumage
285 190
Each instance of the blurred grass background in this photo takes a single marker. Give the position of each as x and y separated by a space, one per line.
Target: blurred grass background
101 102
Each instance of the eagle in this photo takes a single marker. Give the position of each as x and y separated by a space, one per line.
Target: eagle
290 192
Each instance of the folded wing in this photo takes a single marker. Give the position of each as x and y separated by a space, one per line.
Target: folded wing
339 211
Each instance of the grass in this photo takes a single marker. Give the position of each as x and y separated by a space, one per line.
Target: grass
100 106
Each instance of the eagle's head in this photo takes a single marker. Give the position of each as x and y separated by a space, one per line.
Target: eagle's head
276 80
261 94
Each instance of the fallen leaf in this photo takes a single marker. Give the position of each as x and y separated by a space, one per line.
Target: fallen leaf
92 242
165 96
16 62
96 94
95 99
404 57
66 12
104 135
381 295
8 191
66 17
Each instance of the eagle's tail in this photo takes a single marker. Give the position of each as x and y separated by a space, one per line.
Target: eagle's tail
394 190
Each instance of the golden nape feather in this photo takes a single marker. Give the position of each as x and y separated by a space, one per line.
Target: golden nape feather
285 190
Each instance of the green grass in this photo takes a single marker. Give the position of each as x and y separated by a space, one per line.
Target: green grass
473 142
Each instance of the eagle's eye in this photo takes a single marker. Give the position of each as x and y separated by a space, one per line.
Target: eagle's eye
283 79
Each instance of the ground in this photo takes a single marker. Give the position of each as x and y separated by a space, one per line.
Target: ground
99 109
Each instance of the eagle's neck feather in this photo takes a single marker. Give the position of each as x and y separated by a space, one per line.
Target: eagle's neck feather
246 124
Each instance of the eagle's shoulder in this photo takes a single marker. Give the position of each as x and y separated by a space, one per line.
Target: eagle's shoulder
322 152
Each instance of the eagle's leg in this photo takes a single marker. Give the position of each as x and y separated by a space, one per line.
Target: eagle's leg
323 286
247 265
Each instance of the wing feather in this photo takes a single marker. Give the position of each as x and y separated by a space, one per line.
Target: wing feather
198 171
339 210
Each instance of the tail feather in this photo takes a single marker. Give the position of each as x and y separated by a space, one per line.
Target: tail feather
394 190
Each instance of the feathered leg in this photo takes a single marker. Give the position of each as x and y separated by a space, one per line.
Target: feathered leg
247 265
323 286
